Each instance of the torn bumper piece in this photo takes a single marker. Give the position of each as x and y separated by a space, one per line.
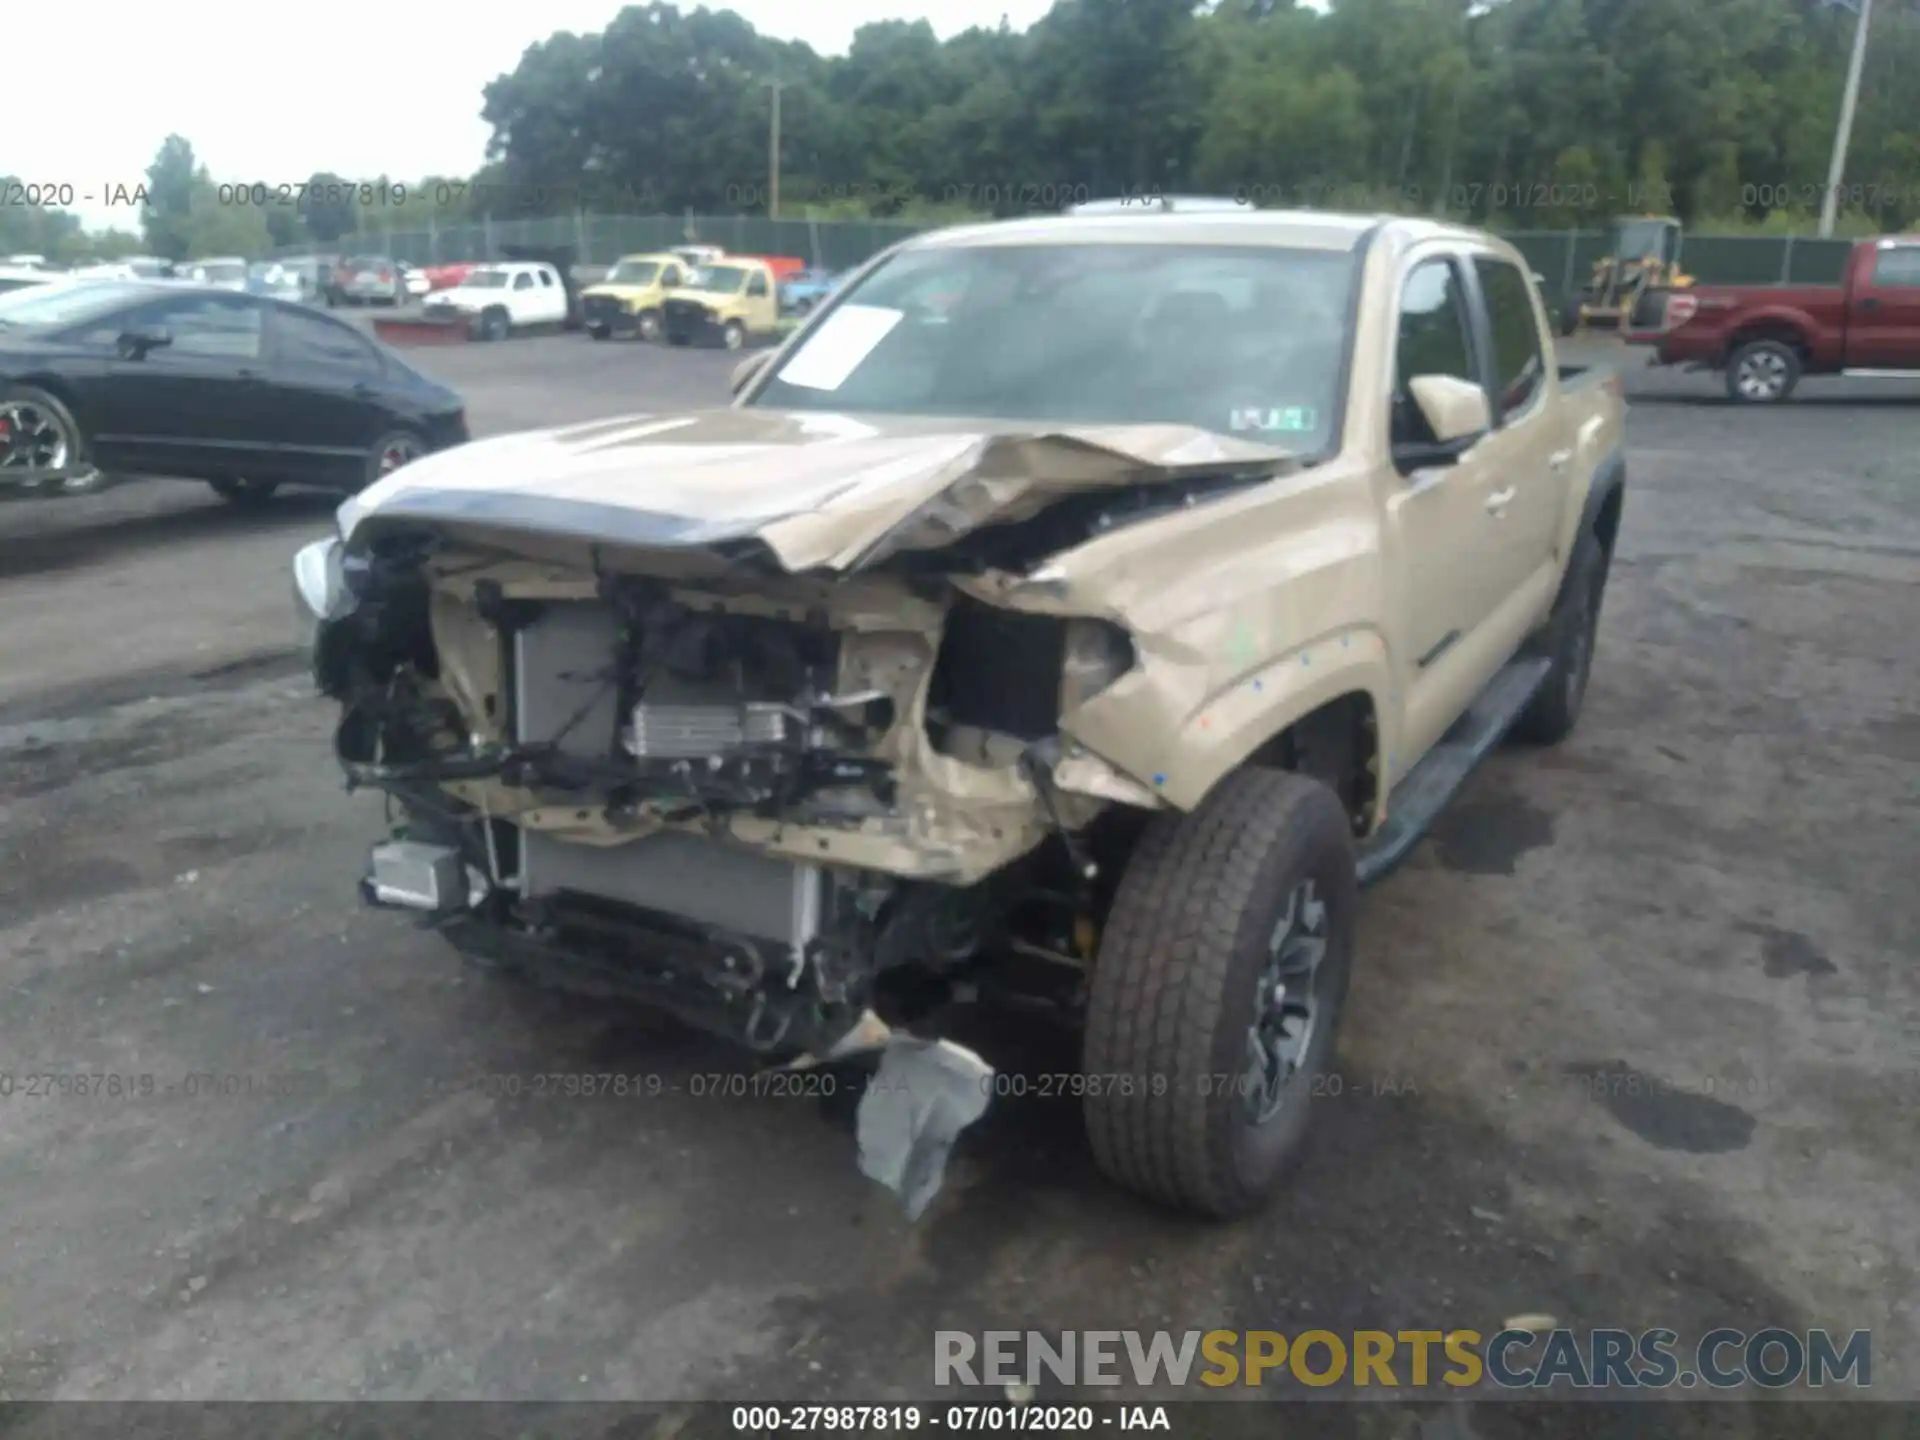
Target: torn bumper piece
915 1106
924 1093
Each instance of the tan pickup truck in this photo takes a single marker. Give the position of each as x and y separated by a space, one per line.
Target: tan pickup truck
1082 608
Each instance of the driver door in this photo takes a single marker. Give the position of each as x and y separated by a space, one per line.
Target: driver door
197 407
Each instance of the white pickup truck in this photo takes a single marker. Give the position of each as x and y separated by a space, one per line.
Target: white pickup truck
500 299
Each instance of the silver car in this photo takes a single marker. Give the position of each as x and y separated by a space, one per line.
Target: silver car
373 280
223 273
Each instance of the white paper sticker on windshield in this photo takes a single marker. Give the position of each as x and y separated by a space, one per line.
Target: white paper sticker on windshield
844 339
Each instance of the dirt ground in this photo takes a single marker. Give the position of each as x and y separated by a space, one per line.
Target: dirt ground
1633 1041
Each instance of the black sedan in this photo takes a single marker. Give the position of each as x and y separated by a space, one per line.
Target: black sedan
246 392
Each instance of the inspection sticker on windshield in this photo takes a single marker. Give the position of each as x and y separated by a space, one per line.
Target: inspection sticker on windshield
844 339
1286 420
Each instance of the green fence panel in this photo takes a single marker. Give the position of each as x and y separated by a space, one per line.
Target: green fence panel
1817 262
1734 259
1565 258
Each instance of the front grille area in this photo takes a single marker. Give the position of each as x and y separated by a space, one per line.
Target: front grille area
687 313
600 309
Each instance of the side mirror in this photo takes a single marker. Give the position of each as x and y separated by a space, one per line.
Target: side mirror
744 372
1456 410
136 342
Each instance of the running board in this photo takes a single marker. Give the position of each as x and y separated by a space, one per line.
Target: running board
1426 789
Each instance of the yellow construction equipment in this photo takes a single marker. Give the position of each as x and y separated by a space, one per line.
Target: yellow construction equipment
1644 257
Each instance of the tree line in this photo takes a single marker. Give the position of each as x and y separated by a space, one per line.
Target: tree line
1523 114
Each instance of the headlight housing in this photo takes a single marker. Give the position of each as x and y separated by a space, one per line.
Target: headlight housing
321 594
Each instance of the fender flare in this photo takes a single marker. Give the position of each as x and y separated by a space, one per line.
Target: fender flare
1609 478
1238 720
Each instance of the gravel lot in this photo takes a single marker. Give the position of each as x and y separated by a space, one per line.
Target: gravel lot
1707 899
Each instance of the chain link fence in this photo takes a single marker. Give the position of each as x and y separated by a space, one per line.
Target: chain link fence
1563 257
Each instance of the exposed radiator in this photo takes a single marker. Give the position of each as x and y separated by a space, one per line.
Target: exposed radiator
692 732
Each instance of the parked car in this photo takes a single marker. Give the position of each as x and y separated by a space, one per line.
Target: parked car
628 301
1117 629
22 277
222 273
445 277
1766 337
800 292
497 300
372 280
278 278
731 301
246 392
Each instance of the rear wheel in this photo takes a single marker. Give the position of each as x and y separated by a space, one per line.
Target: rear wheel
1762 372
245 494
1217 994
390 452
678 337
599 332
1568 642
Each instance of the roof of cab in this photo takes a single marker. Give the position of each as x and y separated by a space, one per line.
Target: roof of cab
1296 229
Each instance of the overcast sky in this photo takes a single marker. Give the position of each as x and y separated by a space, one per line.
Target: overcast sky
273 92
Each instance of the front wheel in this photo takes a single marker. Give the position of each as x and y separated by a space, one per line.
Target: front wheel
245 494
1762 372
40 441
494 325
1217 993
647 324
599 332
733 335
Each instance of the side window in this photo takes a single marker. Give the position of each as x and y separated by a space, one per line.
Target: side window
1519 367
546 279
1433 339
523 281
671 277
1897 265
304 339
203 327
757 285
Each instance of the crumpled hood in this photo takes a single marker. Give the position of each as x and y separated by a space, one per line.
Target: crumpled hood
819 490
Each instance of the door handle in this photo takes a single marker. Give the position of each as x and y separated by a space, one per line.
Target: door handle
1498 501
1558 459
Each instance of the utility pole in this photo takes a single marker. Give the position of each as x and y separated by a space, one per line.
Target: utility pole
1830 204
773 152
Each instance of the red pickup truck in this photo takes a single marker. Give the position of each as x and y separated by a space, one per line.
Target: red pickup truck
1765 337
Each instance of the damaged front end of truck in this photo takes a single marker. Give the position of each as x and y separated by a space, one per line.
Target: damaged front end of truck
767 727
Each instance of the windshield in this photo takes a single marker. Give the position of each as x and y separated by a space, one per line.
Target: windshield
720 279
485 280
1642 238
1247 340
633 272
69 303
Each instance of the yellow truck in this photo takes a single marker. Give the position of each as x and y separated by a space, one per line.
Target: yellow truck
631 299
732 300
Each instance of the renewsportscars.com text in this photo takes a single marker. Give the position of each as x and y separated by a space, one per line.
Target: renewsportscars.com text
1510 1359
